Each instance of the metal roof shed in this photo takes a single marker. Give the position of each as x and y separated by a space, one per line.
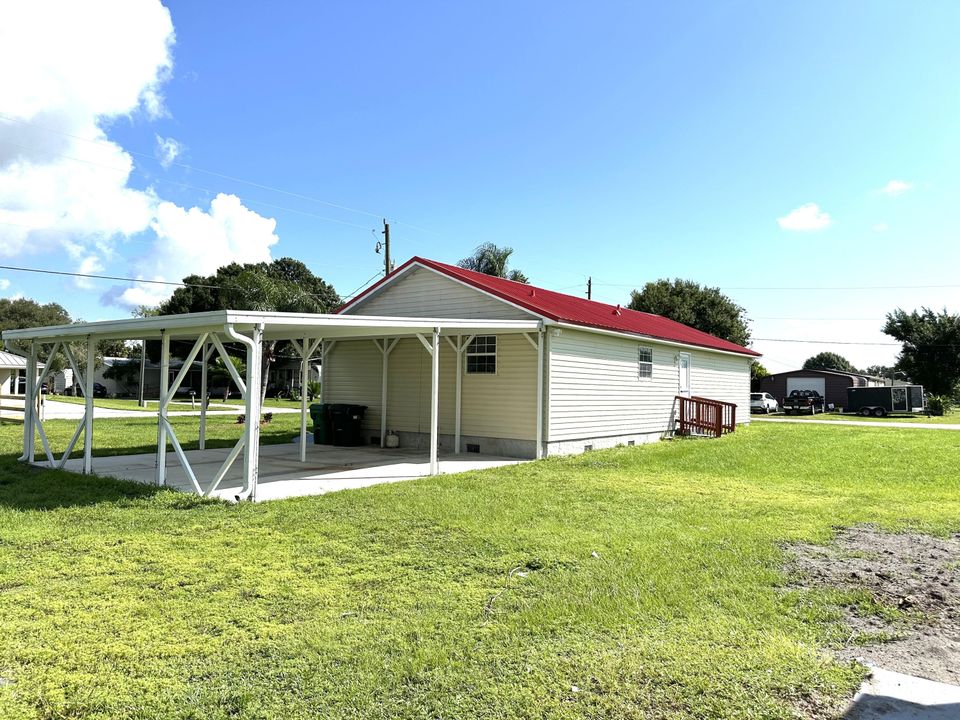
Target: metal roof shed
208 331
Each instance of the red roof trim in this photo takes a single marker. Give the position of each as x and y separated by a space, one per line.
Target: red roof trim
567 308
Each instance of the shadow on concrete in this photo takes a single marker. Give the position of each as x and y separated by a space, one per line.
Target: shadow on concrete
882 707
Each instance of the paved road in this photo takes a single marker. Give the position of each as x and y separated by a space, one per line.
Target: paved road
863 423
54 410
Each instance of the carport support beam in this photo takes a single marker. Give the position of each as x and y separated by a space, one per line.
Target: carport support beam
435 402
29 432
88 402
162 410
304 374
204 360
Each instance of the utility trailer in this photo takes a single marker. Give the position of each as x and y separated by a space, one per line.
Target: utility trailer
878 401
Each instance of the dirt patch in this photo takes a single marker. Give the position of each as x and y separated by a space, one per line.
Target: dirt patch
903 604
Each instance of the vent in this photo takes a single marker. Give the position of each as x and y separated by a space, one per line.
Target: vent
631 443
587 448
473 448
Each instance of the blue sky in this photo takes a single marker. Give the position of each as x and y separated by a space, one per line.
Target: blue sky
627 141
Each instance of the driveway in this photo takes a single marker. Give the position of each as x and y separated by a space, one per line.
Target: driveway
865 423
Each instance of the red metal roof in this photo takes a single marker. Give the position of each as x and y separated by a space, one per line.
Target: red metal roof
571 309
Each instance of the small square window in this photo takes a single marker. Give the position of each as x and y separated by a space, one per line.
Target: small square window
482 355
644 363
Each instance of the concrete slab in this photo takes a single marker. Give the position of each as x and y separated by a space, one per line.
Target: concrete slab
887 695
282 475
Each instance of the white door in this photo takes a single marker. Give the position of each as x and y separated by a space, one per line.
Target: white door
683 363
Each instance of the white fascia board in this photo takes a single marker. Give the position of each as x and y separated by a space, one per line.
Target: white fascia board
651 338
276 325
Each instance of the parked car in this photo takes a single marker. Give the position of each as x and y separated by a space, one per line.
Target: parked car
803 400
763 402
99 390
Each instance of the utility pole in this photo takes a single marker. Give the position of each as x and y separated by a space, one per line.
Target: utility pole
386 248
589 288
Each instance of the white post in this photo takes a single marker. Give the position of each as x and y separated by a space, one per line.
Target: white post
88 413
383 394
456 421
31 382
539 394
304 373
204 360
435 402
254 380
162 411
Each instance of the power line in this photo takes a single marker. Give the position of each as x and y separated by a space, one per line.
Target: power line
827 342
213 173
106 277
352 295
788 288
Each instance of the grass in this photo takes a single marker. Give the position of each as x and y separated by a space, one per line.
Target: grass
632 583
949 418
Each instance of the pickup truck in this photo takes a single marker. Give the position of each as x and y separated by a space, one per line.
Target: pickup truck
802 401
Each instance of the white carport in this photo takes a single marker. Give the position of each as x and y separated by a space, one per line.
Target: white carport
308 333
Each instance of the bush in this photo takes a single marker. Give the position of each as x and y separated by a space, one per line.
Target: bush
313 389
939 404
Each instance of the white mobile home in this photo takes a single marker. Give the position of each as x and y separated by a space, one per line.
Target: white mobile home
609 375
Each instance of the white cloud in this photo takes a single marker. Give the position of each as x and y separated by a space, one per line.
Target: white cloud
197 241
167 150
805 218
64 186
896 187
881 227
4 283
89 265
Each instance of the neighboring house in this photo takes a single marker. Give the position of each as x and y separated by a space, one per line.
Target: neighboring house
13 370
610 375
831 384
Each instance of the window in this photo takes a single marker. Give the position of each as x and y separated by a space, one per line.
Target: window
482 355
644 363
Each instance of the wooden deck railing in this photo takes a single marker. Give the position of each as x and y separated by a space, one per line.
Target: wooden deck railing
703 416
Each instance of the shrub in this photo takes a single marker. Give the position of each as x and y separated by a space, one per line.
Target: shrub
939 404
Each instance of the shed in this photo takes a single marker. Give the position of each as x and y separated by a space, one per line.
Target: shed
831 384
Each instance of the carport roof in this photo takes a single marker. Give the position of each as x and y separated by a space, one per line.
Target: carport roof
276 326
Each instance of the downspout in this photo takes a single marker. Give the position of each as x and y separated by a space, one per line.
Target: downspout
251 448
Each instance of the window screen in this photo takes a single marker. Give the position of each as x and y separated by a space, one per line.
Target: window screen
482 355
644 362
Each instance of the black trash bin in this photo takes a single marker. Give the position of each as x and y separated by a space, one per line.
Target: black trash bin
322 432
347 424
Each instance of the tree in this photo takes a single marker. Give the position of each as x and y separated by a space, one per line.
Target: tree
931 348
22 313
687 302
829 361
758 371
490 259
284 285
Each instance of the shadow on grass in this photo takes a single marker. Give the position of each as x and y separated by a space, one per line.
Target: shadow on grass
26 487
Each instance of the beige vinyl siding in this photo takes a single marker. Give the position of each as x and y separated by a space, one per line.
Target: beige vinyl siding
425 293
595 390
722 377
501 405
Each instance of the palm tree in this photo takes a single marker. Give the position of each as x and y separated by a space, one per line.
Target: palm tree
490 259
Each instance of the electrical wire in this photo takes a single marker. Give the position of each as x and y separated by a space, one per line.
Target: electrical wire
213 173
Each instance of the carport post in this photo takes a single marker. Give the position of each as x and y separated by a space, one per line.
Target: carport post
204 359
434 401
162 411
539 454
304 371
88 402
28 430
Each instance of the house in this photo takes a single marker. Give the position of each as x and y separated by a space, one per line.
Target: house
12 371
609 375
831 384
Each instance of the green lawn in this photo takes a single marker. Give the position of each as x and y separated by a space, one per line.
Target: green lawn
949 418
633 583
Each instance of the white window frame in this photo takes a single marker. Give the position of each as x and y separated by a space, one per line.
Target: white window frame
644 365
472 352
